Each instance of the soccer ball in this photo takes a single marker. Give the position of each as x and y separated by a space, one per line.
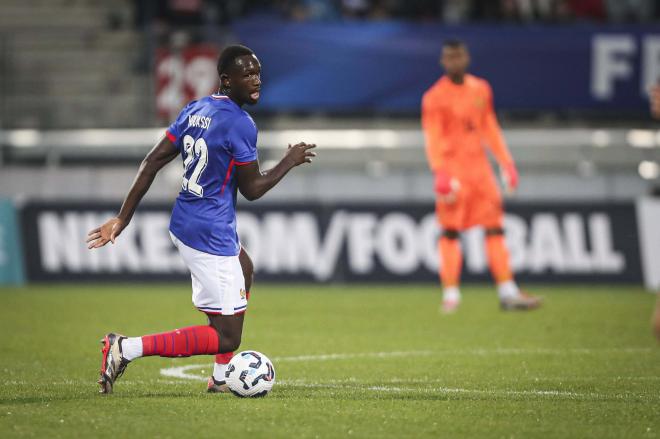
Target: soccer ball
250 374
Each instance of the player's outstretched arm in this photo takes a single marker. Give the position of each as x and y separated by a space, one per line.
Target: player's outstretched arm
161 154
254 183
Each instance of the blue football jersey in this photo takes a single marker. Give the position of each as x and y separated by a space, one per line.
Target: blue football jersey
214 135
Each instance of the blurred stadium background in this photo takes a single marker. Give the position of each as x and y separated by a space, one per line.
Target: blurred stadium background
86 88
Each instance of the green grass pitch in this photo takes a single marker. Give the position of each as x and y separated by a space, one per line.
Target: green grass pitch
351 361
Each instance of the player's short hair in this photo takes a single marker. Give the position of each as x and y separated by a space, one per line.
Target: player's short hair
229 55
454 43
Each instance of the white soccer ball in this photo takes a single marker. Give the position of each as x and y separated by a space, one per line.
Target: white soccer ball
250 374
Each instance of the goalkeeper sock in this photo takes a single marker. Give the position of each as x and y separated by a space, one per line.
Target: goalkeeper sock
450 261
498 258
508 290
451 294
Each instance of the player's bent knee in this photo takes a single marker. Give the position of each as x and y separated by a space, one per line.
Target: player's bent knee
494 231
229 329
229 343
451 234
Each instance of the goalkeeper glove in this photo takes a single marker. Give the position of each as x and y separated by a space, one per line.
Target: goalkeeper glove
445 186
510 177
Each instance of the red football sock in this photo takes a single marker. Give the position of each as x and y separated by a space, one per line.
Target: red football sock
224 358
193 340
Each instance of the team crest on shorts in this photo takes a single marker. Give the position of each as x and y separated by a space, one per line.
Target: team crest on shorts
242 292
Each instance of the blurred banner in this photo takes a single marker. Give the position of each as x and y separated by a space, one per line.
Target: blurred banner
387 66
182 76
344 242
11 256
648 219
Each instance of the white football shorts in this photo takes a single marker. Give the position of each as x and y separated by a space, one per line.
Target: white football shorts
218 286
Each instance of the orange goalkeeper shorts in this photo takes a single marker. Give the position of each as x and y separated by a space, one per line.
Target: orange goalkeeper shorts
474 205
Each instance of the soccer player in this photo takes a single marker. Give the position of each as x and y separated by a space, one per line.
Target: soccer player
217 141
458 119
655 112
655 100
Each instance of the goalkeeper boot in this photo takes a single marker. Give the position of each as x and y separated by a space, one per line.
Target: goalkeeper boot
520 302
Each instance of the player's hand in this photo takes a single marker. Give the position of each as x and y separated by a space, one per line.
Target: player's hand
446 187
510 177
108 232
300 153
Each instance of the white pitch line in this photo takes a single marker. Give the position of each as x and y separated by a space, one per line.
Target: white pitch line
546 351
477 391
352 384
475 352
183 371
399 389
453 390
326 357
445 390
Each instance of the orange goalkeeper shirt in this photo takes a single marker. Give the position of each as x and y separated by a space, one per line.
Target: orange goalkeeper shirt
459 122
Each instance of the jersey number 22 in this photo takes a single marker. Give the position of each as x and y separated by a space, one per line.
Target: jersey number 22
194 150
